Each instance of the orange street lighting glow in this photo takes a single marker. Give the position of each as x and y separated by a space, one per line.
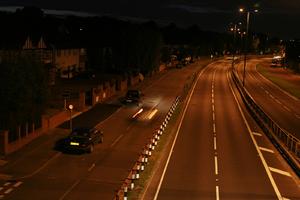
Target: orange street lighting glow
152 114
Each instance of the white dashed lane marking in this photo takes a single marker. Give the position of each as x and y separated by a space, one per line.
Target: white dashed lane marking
17 184
91 167
280 171
7 184
287 108
277 101
217 193
215 143
8 190
216 165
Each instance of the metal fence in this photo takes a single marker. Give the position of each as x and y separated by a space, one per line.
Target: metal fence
285 142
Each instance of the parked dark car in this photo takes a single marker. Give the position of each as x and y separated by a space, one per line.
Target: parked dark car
83 139
133 96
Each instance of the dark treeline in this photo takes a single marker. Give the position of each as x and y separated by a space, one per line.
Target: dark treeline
23 93
112 46
119 46
293 55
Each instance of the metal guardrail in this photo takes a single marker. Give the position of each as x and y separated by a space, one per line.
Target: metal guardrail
285 142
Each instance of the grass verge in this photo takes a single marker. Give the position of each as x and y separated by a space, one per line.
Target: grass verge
165 140
283 84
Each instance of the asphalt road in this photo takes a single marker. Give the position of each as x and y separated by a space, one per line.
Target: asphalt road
38 171
221 154
278 104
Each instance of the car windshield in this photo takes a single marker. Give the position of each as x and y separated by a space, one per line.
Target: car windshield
133 93
80 133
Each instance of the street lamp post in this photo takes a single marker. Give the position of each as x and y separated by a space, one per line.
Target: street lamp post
234 30
233 46
71 108
246 41
245 51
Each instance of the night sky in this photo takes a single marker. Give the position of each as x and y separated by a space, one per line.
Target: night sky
276 17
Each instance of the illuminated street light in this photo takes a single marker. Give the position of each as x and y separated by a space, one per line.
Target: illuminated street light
71 108
246 40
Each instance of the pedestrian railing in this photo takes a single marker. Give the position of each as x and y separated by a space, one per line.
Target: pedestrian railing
287 144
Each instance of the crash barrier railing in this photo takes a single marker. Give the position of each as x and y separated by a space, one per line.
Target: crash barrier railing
139 166
287 144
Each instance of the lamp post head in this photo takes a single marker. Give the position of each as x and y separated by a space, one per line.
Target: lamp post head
71 107
241 10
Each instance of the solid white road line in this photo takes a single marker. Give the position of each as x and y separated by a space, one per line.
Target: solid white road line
17 184
276 190
257 134
116 140
280 171
265 149
216 165
217 193
176 135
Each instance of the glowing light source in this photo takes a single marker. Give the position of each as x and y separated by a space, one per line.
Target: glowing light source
152 114
137 113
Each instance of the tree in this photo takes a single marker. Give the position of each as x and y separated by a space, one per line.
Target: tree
138 48
23 91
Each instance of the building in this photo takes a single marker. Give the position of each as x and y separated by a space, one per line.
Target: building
62 60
